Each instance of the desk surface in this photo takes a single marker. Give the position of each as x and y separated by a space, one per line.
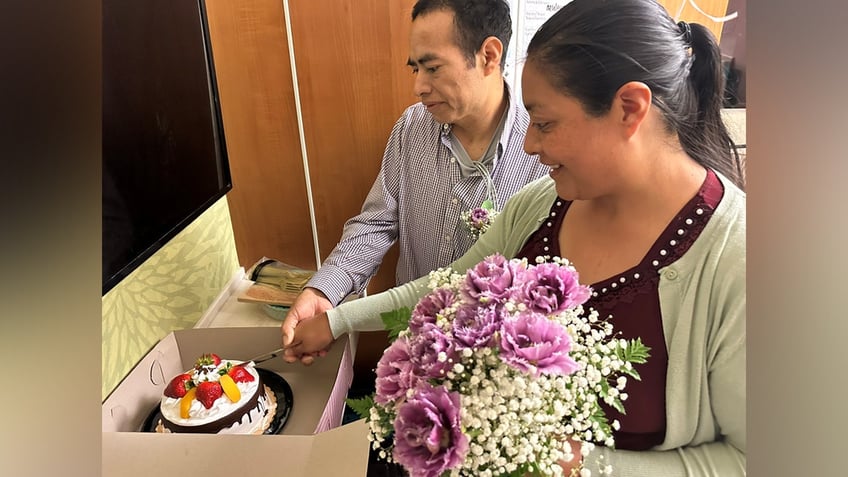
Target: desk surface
234 313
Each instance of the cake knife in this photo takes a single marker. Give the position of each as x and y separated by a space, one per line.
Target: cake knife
265 356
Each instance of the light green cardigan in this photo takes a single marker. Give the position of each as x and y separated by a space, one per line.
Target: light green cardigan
702 298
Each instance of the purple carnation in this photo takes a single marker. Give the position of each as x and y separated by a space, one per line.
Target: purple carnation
429 306
479 217
549 288
490 280
395 373
532 340
426 347
475 327
428 435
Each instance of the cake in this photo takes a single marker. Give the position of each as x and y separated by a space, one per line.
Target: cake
217 396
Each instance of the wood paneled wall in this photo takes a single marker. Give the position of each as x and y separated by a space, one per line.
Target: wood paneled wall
353 83
268 202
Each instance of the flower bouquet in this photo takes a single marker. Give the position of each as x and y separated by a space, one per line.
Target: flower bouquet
479 219
495 371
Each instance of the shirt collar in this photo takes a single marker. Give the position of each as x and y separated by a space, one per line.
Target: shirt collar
510 112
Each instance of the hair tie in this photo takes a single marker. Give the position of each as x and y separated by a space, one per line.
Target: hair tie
686 31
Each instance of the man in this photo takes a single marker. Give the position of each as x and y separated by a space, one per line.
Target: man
461 145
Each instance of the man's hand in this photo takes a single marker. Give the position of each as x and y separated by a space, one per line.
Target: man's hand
309 303
312 336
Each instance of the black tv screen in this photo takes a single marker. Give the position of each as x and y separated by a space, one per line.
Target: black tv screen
164 153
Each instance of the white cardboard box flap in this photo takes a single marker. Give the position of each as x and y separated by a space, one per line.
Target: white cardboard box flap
340 451
318 395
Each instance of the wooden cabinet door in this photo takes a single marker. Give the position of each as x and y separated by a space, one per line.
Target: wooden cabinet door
268 202
687 12
354 84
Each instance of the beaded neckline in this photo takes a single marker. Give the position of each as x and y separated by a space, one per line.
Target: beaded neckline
672 243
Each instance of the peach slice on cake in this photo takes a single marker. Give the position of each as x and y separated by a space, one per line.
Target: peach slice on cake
230 388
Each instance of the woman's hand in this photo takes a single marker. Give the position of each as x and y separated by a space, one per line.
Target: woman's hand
572 467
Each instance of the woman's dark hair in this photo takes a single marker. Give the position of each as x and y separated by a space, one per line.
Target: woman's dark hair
590 48
474 21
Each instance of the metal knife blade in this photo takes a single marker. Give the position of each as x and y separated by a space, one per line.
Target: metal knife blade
265 356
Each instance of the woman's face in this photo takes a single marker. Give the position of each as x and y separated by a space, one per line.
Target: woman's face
579 148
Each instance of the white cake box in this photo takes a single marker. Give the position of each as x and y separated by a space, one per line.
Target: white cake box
310 442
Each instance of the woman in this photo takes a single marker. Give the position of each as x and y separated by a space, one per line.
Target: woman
644 198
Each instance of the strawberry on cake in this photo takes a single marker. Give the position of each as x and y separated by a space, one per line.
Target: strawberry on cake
217 397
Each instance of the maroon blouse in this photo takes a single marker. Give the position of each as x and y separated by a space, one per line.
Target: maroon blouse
632 298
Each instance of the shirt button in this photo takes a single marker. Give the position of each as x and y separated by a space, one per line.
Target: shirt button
445 126
671 274
453 159
447 238
454 201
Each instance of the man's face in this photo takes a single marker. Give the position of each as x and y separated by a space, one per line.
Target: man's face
447 85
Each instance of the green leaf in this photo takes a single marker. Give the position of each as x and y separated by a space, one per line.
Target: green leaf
362 406
598 414
396 321
488 205
635 353
618 405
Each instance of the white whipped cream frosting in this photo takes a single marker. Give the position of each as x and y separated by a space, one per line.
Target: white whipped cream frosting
222 406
